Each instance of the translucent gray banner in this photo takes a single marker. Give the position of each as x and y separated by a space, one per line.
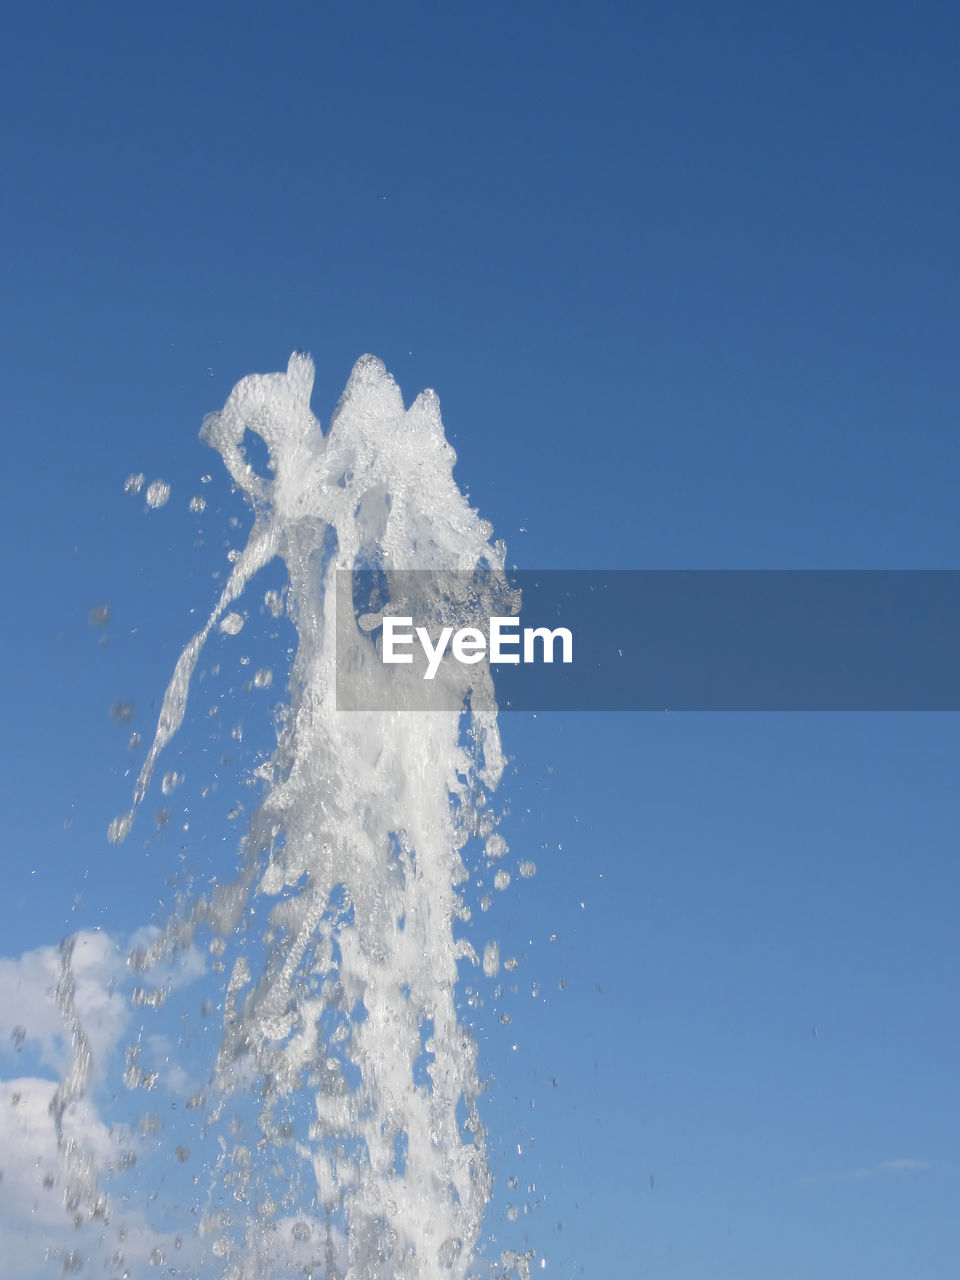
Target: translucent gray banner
647 640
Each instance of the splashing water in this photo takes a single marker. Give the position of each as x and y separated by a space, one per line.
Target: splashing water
358 839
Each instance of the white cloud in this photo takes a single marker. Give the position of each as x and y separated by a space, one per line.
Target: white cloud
28 1004
38 1237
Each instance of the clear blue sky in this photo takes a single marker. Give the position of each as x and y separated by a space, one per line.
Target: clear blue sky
685 279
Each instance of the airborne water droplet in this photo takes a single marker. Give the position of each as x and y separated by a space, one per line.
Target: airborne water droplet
232 624
158 494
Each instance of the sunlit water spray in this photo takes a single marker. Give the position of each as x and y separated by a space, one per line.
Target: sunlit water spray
346 1008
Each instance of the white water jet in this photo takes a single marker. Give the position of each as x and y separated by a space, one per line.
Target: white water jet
358 837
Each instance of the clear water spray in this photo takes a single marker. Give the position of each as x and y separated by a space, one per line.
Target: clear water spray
344 1011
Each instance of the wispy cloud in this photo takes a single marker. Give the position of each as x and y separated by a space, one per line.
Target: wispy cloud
898 1167
905 1165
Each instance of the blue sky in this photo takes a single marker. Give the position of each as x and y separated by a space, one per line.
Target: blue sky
684 278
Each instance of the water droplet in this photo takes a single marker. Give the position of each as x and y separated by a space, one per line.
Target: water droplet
119 828
496 846
158 494
232 624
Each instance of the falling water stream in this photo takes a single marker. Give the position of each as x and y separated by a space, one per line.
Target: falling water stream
345 1013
